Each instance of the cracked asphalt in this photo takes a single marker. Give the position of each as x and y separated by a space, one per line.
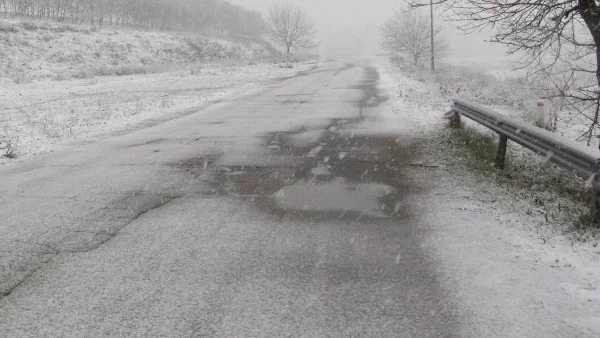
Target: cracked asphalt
282 211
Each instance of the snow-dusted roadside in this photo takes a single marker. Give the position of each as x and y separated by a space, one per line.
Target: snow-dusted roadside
511 270
45 116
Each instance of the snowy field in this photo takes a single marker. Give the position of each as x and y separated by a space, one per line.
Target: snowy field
34 50
557 197
62 84
44 116
507 242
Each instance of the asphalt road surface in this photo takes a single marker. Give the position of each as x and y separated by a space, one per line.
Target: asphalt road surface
283 211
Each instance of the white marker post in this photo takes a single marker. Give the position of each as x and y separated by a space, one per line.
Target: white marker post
542 115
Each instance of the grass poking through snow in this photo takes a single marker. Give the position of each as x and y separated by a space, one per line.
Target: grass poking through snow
557 197
480 149
553 200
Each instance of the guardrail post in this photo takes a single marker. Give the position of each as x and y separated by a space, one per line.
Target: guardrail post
455 120
595 197
501 155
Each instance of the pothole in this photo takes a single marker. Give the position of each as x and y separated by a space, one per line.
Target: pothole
196 166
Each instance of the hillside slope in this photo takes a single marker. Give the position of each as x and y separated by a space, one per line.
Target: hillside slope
32 51
114 81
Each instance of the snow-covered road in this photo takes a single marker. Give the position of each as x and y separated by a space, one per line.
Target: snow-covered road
298 208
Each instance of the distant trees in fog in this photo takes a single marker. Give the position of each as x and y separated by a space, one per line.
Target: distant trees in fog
409 32
214 16
290 26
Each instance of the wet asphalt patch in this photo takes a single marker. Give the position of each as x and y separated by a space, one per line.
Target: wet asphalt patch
196 166
339 177
325 173
372 96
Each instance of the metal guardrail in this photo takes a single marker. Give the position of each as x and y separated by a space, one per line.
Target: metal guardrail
536 139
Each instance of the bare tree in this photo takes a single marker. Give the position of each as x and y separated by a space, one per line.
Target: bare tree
5 6
290 26
409 32
557 40
207 16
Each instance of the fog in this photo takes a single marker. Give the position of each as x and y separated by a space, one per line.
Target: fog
352 27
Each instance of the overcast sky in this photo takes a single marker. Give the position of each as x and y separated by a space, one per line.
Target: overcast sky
350 27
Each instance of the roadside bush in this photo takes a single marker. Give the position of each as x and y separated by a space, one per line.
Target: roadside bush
64 28
125 70
120 70
29 25
22 80
7 27
449 81
473 84
9 149
84 74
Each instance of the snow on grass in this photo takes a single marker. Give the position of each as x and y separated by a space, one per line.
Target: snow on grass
504 240
414 96
62 84
32 51
555 196
45 116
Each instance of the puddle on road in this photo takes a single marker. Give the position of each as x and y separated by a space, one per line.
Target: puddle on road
195 166
337 196
254 181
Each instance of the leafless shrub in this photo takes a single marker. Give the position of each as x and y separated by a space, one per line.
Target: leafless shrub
29 25
22 79
51 128
118 70
59 77
10 149
64 28
7 27
85 74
